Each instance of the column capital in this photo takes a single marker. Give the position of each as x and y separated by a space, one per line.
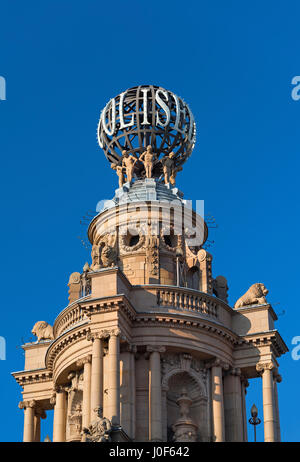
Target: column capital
59 388
115 332
261 367
234 371
244 381
81 362
91 336
25 404
129 347
217 363
155 349
278 378
40 412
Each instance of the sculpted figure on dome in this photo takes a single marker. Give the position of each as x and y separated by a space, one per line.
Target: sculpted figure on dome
99 430
149 159
120 172
168 167
173 175
128 162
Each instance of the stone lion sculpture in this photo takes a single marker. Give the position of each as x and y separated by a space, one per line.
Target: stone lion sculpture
256 295
42 330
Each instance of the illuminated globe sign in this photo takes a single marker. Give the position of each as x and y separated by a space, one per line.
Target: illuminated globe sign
147 115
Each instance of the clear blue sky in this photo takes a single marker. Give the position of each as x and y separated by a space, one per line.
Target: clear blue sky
233 63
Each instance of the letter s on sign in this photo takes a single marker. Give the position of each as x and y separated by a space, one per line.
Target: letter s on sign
295 351
295 81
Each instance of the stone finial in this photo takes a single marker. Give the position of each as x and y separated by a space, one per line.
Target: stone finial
185 430
220 288
43 331
255 295
74 287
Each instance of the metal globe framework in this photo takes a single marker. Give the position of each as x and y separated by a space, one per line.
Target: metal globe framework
147 115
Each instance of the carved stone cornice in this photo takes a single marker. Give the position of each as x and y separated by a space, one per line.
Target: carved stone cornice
271 338
174 321
28 377
108 304
25 404
261 367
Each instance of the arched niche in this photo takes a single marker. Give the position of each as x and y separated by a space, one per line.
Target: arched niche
193 278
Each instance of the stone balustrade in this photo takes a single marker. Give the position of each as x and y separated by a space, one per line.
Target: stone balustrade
183 298
70 316
172 297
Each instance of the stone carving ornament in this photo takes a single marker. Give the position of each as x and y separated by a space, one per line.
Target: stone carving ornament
99 430
75 421
256 295
108 252
152 255
125 248
173 363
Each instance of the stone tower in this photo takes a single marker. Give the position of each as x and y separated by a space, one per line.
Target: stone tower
148 348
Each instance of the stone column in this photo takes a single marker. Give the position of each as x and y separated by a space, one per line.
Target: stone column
39 414
245 384
233 406
277 379
127 389
155 395
268 400
86 396
60 415
164 408
96 372
217 401
28 406
133 390
114 376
